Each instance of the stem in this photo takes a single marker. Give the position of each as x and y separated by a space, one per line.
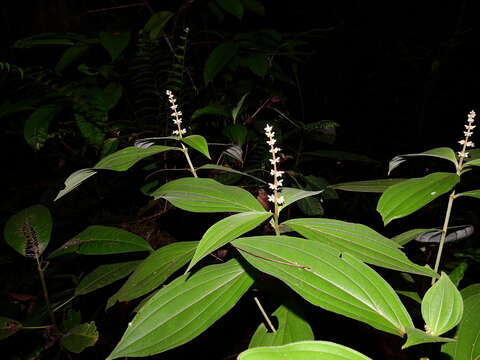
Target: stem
58 307
192 169
444 233
265 316
276 215
35 327
45 291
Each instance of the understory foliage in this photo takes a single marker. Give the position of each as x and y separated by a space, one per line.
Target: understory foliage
227 211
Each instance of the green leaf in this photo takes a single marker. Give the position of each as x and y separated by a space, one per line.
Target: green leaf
416 336
236 132
71 55
359 240
207 195
473 193
293 194
29 230
154 270
258 64
411 295
183 309
442 306
234 7
35 129
198 143
105 275
467 346
407 236
71 319
225 231
103 240
475 162
218 59
371 186
291 327
457 274
324 276
212 109
157 23
230 170
303 350
124 159
112 94
80 337
410 195
74 180
236 110
470 290
311 206
115 42
441 153
8 327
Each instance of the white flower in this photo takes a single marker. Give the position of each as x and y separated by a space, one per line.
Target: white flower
268 129
274 160
276 172
271 198
280 200
273 186
271 142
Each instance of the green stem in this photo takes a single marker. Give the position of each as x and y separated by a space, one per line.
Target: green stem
265 316
58 307
45 291
35 327
444 233
192 169
276 215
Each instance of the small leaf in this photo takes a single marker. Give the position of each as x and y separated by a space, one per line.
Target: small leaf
212 109
236 110
303 350
103 240
371 186
71 319
416 337
236 132
234 7
457 274
473 193
407 236
293 194
105 275
74 180
207 195
441 153
115 42
258 64
157 23
80 337
8 327
71 55
225 231
29 230
218 59
183 309
230 170
199 143
324 276
35 129
359 240
442 306
410 195
291 328
154 270
311 206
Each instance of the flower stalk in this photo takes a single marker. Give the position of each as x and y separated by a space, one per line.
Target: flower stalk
179 132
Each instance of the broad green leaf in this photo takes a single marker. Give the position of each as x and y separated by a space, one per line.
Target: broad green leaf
303 350
212 109
157 23
475 162
371 186
71 55
237 133
35 129
218 59
293 194
442 306
411 295
291 328
121 160
207 195
258 64
236 110
234 7
225 231
441 153
154 270
359 240
416 336
472 193
8 327
105 275
29 230
124 159
410 195
311 206
74 180
198 143
407 236
115 42
80 337
227 169
103 240
183 309
470 290
457 274
467 346
324 276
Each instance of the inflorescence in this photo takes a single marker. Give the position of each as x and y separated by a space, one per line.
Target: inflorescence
277 181
177 115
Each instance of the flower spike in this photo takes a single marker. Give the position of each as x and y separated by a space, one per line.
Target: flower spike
177 115
466 142
277 181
